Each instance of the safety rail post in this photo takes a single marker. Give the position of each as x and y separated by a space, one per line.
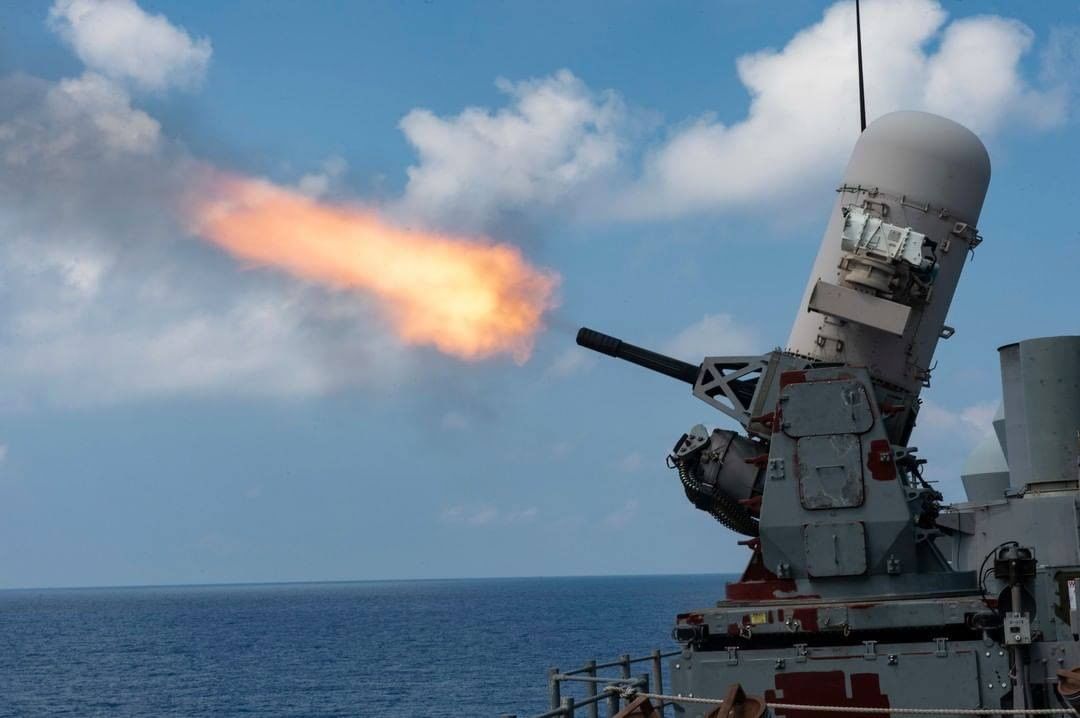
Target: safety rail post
657 671
554 689
590 689
643 686
568 707
624 664
612 703
658 674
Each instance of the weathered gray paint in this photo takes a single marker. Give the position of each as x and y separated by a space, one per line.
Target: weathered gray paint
909 675
1041 383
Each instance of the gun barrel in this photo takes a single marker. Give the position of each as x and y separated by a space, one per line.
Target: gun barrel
599 342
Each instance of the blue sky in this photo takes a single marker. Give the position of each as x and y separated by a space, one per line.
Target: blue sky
169 415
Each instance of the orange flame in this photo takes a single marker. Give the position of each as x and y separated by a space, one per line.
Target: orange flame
468 297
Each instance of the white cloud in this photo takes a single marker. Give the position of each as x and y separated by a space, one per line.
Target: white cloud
120 40
803 114
975 78
570 361
77 120
563 148
554 138
968 424
517 516
945 436
253 347
1061 56
622 516
106 298
487 515
482 516
320 183
714 335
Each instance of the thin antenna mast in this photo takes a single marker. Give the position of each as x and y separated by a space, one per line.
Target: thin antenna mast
862 91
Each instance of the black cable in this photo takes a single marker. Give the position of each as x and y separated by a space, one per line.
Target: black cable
862 91
984 571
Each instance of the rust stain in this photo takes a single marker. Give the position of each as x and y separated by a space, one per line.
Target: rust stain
890 409
778 589
807 617
792 377
769 420
881 469
753 505
827 688
759 583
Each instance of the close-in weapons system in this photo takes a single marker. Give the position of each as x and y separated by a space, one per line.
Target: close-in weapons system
863 589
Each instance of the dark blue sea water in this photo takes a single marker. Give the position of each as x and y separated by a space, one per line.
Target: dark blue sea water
402 648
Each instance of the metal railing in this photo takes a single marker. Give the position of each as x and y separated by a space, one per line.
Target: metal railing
602 688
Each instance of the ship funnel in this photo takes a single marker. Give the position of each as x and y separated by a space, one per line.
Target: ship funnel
1040 381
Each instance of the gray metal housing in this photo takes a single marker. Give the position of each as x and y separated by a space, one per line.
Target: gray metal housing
1041 385
914 171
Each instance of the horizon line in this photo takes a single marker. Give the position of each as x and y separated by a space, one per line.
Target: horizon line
316 582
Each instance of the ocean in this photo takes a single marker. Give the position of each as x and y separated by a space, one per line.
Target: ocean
409 649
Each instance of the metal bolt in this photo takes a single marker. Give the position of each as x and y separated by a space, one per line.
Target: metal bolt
989 685
1001 653
677 666
988 654
1004 684
892 659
